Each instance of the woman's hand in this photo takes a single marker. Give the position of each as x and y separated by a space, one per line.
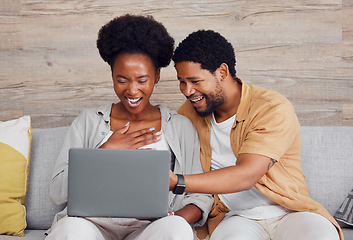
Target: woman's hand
191 213
120 139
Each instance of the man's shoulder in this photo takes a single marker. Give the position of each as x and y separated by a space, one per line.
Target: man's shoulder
264 94
266 104
187 110
259 97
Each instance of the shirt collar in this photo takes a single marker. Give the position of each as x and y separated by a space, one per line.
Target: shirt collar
243 108
104 112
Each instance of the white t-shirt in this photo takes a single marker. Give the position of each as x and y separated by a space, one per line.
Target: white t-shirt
250 203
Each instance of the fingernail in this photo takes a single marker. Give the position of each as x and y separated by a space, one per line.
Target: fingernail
158 133
152 129
127 124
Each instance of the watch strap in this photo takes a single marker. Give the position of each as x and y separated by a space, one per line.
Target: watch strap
180 187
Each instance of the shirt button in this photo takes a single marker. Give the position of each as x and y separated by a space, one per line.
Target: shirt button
103 133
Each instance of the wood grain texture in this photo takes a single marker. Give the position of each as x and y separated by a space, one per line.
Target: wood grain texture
50 67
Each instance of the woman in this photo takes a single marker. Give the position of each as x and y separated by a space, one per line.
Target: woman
136 48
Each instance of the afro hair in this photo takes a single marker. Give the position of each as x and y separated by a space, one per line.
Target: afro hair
135 34
208 48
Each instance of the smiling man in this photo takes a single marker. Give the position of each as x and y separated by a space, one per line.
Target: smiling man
250 150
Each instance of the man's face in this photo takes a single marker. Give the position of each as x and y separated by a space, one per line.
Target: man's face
200 87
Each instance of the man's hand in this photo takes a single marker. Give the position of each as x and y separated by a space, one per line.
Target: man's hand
173 180
120 139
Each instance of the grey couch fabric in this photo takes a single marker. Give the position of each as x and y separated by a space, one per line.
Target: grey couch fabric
327 162
46 144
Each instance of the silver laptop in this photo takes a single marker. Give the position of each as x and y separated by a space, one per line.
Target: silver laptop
118 183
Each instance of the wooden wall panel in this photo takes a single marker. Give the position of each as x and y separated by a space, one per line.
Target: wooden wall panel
347 19
10 24
50 67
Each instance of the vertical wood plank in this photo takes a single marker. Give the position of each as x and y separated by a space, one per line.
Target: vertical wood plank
10 24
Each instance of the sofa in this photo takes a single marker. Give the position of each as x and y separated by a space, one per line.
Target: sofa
327 154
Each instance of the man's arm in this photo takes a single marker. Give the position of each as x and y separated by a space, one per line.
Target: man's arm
243 176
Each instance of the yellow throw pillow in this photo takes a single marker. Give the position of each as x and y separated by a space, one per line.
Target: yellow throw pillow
15 145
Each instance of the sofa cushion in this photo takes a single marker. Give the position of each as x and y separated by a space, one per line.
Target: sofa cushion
46 144
29 235
15 142
327 156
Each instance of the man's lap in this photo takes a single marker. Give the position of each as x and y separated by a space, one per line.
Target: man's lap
295 225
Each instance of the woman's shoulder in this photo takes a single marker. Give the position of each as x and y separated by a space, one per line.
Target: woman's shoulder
171 115
94 113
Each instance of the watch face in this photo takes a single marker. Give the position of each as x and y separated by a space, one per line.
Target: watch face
179 189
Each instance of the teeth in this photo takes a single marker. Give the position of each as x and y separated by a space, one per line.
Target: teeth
196 99
133 100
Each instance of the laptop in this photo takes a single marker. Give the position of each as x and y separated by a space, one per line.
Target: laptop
126 183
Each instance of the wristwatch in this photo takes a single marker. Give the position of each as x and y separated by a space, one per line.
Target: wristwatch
180 187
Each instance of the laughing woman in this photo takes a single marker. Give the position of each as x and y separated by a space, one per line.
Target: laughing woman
136 48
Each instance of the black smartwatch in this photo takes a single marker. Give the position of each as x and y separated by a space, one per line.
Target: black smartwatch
180 187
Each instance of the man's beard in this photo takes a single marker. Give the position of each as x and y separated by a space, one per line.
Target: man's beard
213 101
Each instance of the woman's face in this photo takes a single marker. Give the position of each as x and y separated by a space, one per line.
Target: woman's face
134 77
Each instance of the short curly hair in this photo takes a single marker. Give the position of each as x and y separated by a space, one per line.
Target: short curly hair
208 48
135 34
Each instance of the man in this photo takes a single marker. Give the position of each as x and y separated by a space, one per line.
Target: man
250 150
